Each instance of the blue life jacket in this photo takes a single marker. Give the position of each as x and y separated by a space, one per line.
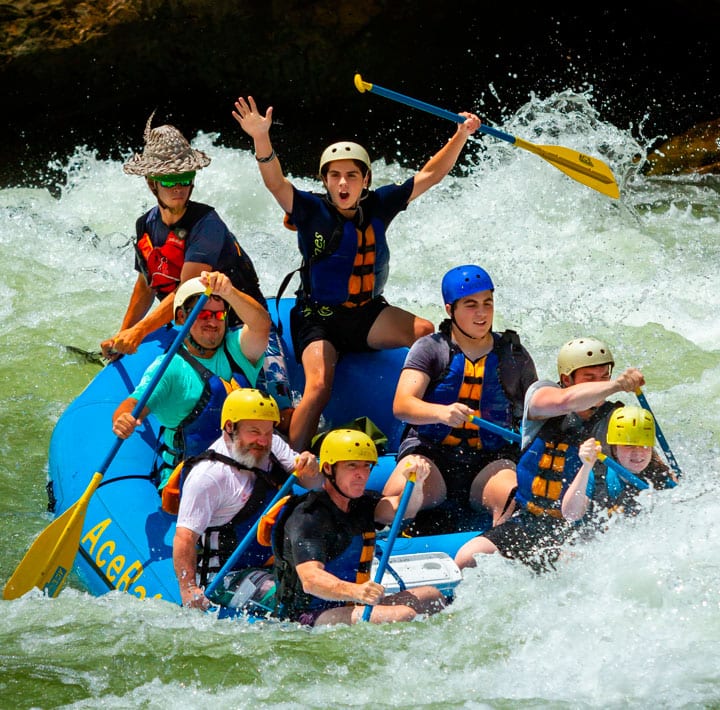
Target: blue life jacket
329 267
501 391
551 461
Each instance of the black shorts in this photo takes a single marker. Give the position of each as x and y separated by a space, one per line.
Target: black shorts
458 466
345 328
532 539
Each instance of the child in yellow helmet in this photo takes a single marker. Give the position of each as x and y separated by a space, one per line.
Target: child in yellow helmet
631 436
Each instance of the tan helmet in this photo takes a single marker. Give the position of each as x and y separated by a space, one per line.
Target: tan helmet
631 426
248 403
191 287
583 352
347 445
346 150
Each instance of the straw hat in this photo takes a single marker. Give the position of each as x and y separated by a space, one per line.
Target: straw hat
166 152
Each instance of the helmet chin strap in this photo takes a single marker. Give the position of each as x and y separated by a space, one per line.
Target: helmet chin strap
455 323
332 480
200 348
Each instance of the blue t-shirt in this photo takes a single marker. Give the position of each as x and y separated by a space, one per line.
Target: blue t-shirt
209 241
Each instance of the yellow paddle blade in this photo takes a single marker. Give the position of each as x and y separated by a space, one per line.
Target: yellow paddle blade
49 560
583 168
360 85
589 171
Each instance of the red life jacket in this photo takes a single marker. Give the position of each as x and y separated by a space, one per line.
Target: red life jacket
162 265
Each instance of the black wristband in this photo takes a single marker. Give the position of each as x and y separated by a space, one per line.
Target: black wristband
266 160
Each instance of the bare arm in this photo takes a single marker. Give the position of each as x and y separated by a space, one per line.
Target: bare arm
124 424
257 127
409 405
140 302
136 330
442 162
575 502
320 583
549 402
125 341
256 329
185 564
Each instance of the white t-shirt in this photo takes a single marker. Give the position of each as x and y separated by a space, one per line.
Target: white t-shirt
214 492
531 427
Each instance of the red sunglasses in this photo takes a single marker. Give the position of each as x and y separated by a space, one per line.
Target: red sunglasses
207 314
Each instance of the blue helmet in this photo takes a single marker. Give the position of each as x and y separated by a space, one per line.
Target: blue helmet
464 281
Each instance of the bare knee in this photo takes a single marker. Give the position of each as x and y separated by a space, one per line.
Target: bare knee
404 613
493 490
497 496
434 489
465 556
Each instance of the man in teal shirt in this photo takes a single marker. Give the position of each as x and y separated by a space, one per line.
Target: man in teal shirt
211 362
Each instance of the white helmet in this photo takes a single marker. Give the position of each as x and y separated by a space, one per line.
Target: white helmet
191 287
346 150
583 352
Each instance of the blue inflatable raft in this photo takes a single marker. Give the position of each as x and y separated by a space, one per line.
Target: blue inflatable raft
127 538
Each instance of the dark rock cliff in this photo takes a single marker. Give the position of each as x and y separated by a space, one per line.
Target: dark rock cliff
90 72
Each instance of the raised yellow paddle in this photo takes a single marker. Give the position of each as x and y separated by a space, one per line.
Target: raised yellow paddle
49 560
583 168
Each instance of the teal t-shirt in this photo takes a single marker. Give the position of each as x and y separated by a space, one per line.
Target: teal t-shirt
180 386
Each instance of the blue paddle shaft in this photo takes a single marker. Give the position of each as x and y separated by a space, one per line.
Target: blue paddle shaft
508 434
394 530
156 377
660 436
624 474
436 111
243 545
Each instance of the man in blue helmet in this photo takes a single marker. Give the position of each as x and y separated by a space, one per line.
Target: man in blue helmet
342 236
465 370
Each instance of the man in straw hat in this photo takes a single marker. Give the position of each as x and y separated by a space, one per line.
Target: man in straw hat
177 240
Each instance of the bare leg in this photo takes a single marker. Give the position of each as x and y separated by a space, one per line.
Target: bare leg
395 328
492 487
380 614
318 360
424 600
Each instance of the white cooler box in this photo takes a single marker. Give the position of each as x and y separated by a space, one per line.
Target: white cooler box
435 568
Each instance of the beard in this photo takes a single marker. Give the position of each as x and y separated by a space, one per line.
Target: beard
252 456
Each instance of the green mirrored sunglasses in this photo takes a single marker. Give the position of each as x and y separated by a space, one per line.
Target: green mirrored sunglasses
183 179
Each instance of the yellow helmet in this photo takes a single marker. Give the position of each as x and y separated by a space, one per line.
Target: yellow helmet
583 352
631 426
347 445
247 403
346 150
